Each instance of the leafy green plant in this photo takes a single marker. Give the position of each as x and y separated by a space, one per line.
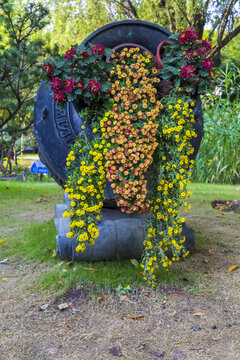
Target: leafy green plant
218 158
81 74
187 63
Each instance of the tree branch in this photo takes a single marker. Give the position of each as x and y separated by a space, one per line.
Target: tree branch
26 127
10 116
224 19
184 13
9 19
133 9
226 40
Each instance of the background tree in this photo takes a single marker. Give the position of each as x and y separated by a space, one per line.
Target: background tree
72 22
21 50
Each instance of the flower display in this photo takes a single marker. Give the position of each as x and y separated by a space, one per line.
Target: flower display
97 49
94 87
69 53
56 84
69 84
187 71
59 96
78 75
141 143
188 36
208 64
187 63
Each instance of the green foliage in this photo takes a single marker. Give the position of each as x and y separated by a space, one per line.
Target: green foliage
186 62
81 74
26 240
73 21
20 51
218 157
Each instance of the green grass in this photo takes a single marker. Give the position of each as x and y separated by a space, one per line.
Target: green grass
29 239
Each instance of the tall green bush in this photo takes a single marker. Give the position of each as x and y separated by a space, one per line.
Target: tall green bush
218 160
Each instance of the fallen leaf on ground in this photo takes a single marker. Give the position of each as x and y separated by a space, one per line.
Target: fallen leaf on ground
115 351
147 293
134 262
61 262
157 353
48 250
47 229
90 269
101 298
219 216
196 328
233 267
64 270
135 317
69 263
1 241
63 306
207 293
211 252
180 354
172 314
63 324
199 314
43 307
54 253
124 298
4 261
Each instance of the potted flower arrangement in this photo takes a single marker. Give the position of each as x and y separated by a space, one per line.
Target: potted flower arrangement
134 130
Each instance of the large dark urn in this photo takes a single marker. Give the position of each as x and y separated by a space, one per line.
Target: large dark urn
121 235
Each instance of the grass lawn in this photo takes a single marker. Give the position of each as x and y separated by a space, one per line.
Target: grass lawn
192 314
26 219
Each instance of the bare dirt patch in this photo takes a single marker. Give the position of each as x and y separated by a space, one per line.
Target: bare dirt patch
40 214
181 324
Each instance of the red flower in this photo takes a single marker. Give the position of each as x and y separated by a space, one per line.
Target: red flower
201 50
69 53
59 96
50 75
97 49
206 44
94 87
187 71
56 84
47 67
187 36
69 84
208 64
189 55
84 55
79 85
